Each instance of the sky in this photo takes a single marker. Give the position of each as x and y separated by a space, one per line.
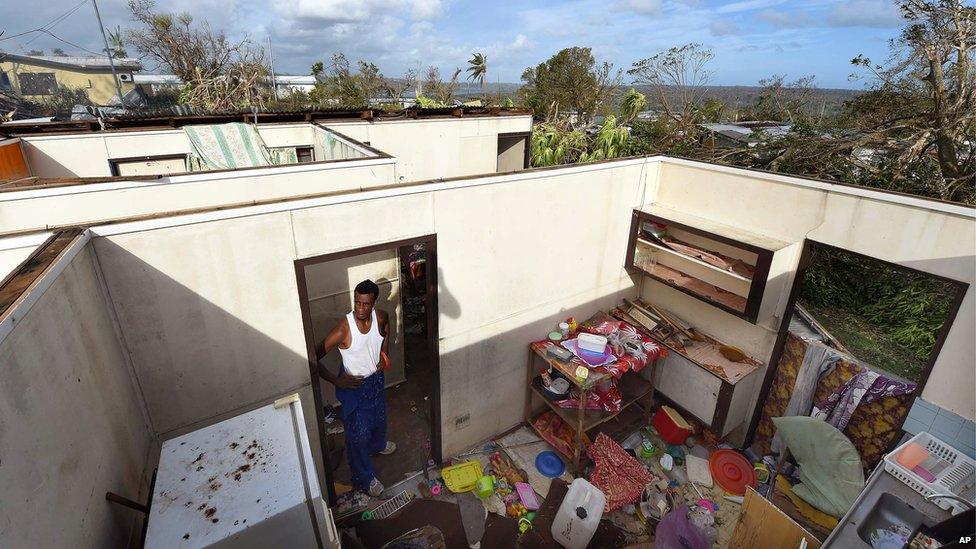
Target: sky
751 39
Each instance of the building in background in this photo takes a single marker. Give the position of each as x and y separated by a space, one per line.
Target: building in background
38 77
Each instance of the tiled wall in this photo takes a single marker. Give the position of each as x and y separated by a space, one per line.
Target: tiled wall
953 429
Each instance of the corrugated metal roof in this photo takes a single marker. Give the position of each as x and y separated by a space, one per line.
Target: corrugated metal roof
83 62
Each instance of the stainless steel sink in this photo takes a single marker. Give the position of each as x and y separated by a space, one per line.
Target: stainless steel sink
889 519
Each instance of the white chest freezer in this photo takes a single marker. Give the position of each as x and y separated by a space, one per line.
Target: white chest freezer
248 481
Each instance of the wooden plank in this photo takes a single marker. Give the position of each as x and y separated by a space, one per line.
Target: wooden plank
20 280
762 524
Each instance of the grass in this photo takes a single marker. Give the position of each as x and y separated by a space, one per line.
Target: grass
867 342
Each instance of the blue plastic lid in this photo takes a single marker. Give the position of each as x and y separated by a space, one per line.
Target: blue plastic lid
549 464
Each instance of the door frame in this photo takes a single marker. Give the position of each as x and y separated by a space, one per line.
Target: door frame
430 242
805 259
527 155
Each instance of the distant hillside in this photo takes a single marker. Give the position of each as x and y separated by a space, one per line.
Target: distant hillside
740 97
736 97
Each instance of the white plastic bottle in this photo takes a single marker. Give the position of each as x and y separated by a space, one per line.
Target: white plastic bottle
578 515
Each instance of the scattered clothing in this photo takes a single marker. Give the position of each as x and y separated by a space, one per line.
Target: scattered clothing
620 477
364 417
818 360
867 387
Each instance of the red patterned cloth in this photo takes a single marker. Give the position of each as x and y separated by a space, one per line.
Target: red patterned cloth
608 401
618 332
619 476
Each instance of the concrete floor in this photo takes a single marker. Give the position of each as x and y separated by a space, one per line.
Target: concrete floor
410 430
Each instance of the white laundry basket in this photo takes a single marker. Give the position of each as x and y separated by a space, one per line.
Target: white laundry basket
960 471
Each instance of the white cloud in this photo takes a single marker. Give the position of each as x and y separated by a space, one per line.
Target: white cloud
723 28
359 10
642 7
865 13
747 5
786 20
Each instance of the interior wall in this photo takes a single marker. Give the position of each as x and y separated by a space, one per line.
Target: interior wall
437 148
71 421
211 315
916 233
87 155
330 147
330 291
40 208
511 153
11 258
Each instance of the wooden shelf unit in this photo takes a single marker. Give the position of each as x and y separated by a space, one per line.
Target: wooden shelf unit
632 386
738 288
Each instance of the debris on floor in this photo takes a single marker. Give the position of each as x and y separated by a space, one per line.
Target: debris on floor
651 486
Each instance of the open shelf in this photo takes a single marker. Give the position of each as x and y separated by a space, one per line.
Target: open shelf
632 388
724 266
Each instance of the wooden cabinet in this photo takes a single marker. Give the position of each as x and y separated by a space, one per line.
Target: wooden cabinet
724 266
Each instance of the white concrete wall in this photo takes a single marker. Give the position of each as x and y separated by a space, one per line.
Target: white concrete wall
211 315
329 146
916 233
36 209
88 155
437 148
11 258
71 423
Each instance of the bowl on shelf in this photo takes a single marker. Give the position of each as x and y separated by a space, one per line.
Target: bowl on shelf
594 358
557 390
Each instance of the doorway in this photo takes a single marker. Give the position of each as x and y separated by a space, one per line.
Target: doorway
405 272
513 151
867 333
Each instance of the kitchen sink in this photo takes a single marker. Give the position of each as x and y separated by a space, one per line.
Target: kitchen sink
890 523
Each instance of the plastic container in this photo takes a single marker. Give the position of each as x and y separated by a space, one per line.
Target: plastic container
578 515
527 495
485 487
670 425
952 479
591 342
912 455
462 477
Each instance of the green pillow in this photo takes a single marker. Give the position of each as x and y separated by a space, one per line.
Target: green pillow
830 467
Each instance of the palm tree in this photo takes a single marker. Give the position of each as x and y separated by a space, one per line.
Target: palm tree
478 70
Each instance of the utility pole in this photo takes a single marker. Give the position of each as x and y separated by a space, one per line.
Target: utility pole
274 80
110 52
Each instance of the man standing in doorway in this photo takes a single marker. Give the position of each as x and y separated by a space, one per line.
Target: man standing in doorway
363 343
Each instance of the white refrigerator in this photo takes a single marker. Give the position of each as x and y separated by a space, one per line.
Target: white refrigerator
245 482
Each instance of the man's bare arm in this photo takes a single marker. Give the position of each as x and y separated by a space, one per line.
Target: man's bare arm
331 341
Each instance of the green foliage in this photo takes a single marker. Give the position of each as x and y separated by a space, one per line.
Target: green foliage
427 103
340 86
478 70
60 103
555 143
908 308
632 104
571 80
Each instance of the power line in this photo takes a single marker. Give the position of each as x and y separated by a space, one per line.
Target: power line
57 20
56 37
48 24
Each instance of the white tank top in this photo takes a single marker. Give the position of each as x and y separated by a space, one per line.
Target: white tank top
363 354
